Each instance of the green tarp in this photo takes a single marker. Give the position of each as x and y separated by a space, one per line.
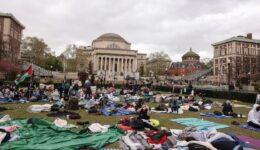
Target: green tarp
41 134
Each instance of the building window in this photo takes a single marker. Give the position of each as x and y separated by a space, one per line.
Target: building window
229 50
113 46
223 52
246 51
253 60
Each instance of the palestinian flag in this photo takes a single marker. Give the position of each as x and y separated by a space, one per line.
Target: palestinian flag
27 73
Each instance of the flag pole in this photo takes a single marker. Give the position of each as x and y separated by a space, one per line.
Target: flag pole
30 83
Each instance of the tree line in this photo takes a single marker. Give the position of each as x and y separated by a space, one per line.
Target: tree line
39 53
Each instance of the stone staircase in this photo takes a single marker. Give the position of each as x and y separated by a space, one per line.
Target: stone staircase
197 75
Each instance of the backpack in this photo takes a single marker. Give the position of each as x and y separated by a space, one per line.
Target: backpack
218 113
55 107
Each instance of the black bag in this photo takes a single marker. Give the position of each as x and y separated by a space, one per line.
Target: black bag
218 113
137 124
194 146
55 107
193 109
74 116
224 144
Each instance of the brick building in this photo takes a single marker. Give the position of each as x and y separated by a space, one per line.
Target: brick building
190 64
236 58
10 37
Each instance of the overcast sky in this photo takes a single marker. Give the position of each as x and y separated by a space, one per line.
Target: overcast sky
172 26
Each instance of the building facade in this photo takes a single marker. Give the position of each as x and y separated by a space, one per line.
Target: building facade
110 56
190 64
235 58
10 37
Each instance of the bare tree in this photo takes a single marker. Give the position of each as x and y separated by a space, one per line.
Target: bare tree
158 62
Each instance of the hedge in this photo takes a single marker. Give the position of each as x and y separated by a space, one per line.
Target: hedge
231 95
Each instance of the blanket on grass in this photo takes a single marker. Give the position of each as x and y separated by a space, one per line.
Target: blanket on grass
200 124
253 142
246 126
40 134
113 110
211 115
116 111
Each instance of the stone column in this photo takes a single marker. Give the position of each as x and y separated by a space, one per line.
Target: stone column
113 62
119 65
105 63
101 67
108 61
98 67
122 64
132 63
127 64
110 65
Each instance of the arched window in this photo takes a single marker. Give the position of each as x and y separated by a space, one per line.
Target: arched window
113 45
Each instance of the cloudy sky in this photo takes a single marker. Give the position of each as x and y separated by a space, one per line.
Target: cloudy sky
172 26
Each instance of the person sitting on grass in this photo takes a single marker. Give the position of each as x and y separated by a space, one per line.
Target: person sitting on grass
143 111
138 104
228 110
254 116
73 101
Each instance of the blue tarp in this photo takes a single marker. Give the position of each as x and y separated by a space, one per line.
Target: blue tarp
212 115
112 110
246 126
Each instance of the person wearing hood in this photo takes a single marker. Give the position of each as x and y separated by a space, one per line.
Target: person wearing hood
254 116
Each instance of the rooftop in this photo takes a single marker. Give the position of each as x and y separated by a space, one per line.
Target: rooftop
111 37
12 17
238 39
190 54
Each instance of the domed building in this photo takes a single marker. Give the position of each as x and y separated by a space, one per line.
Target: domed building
190 64
190 57
110 56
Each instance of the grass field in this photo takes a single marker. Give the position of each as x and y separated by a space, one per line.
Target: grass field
19 111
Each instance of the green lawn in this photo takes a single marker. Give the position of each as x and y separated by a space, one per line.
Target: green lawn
19 111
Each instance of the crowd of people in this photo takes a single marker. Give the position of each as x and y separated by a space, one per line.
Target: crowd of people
73 95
